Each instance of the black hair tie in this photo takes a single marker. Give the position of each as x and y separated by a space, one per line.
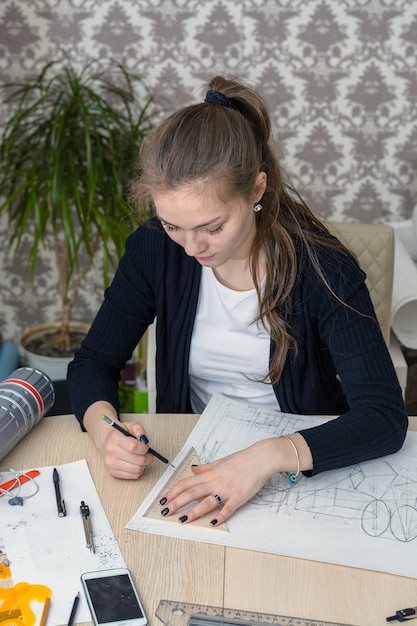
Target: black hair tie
217 97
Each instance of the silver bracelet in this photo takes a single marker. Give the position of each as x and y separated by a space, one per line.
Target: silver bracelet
291 476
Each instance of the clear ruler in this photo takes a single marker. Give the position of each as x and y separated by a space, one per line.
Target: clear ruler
182 471
183 614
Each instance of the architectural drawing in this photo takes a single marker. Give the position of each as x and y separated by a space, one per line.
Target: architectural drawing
380 498
377 496
364 515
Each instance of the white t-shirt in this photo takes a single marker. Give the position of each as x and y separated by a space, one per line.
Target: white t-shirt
229 352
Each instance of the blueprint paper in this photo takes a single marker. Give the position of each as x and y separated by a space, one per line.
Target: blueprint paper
362 516
45 549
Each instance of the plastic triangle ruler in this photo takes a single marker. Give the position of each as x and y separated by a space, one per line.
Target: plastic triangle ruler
182 471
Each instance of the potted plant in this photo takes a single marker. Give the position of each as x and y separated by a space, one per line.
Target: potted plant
66 153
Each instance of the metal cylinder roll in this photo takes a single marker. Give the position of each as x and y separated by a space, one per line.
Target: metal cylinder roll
25 396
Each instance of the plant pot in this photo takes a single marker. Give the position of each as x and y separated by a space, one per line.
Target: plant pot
54 366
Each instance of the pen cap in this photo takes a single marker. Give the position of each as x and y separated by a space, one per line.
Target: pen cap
25 396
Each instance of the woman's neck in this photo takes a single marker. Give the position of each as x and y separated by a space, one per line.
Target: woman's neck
235 274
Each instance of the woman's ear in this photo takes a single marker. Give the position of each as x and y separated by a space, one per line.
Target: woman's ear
260 186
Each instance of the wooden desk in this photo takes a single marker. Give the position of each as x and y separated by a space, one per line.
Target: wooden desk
173 569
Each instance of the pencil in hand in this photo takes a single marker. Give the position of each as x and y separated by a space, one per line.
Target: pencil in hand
142 438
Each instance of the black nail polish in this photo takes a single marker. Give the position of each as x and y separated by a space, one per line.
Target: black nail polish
144 439
165 511
194 465
213 522
183 518
162 501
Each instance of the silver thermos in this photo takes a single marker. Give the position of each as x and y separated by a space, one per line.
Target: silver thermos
25 396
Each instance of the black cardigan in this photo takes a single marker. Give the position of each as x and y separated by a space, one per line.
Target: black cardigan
342 367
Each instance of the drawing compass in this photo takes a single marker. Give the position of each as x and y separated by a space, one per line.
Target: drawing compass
88 529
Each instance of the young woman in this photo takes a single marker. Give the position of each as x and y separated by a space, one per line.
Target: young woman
253 298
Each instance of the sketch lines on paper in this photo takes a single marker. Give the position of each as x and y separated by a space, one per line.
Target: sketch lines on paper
378 498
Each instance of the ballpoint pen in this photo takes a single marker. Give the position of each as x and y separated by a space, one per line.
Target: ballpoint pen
143 438
88 529
59 502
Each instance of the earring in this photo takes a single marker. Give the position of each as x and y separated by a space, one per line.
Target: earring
257 207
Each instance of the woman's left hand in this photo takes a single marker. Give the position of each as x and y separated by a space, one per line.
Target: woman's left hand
234 479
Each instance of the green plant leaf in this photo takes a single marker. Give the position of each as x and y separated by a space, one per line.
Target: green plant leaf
67 149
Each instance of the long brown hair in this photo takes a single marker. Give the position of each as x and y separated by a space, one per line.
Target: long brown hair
230 143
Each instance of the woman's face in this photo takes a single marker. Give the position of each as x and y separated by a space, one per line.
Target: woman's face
211 230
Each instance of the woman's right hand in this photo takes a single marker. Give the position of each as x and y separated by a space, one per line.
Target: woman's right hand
124 457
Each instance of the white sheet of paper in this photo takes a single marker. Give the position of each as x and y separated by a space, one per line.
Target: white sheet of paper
404 296
363 516
49 550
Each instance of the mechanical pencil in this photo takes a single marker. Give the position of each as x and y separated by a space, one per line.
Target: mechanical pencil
59 501
143 438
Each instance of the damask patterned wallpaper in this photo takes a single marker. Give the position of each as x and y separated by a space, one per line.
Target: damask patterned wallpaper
340 77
